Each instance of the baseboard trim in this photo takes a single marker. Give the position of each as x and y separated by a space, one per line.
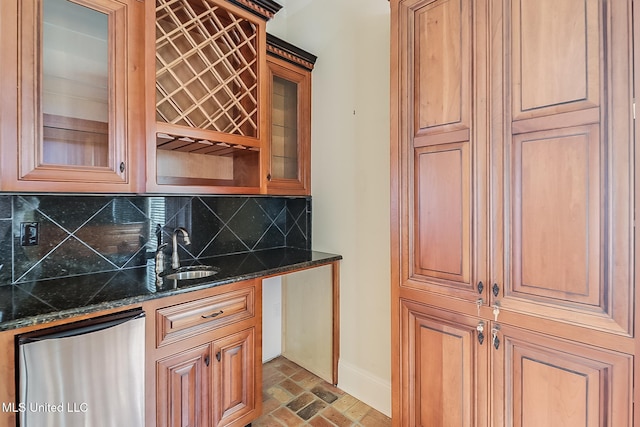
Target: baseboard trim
361 384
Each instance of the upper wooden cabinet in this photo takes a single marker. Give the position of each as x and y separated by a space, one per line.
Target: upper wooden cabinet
72 90
513 190
128 96
287 155
207 113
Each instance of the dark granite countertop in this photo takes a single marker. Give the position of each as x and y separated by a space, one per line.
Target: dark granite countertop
43 301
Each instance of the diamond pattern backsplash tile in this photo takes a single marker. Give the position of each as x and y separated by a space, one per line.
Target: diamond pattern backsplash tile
61 236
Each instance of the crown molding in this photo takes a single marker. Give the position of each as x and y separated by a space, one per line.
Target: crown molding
285 50
265 9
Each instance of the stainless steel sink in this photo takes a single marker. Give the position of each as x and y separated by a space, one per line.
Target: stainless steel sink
191 272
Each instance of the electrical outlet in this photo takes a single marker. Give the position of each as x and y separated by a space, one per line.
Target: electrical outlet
29 233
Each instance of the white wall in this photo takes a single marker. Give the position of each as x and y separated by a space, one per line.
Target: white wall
271 318
350 173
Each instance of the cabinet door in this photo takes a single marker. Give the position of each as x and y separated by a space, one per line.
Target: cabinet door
443 366
442 147
183 389
235 394
288 152
544 381
566 163
80 97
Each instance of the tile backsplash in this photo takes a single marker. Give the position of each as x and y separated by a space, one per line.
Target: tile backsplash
59 236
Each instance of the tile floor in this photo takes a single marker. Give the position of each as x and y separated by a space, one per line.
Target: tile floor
294 396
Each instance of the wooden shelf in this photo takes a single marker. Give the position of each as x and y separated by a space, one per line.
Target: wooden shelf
198 146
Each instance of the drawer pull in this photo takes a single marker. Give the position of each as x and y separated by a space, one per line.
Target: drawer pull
212 315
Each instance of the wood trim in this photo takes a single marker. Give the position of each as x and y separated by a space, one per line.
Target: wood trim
265 9
285 50
636 245
9 98
335 268
395 214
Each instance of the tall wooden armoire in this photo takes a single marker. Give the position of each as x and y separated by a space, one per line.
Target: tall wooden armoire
513 199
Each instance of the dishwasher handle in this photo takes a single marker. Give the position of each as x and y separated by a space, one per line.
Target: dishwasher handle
81 327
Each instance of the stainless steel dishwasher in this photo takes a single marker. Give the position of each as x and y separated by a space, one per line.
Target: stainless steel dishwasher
84 374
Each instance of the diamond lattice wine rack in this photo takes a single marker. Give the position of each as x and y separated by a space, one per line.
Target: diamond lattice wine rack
207 93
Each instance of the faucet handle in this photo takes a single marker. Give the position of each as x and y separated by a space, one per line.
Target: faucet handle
160 258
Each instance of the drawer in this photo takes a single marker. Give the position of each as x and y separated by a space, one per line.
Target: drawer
191 318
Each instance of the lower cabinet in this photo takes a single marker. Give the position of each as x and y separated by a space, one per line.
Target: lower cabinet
209 385
460 371
206 362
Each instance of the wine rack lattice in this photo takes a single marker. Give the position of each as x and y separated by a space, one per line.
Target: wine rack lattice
206 67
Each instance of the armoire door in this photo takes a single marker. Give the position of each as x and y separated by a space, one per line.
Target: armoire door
541 380
445 368
443 147
562 199
564 177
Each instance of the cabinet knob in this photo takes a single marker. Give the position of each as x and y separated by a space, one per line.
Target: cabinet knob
495 289
268 177
218 356
122 167
206 360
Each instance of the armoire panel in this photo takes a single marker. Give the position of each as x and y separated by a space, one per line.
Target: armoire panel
556 56
557 216
442 220
443 42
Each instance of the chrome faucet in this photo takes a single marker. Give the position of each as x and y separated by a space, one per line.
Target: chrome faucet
175 259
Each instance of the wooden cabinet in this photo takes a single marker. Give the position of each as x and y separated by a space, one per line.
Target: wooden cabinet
125 96
72 92
287 155
207 111
205 357
513 197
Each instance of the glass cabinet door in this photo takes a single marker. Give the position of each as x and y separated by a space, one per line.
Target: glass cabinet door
75 85
81 89
284 129
290 121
